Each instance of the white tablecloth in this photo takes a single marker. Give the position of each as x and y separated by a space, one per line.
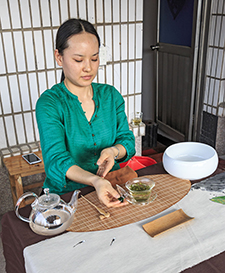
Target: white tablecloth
134 250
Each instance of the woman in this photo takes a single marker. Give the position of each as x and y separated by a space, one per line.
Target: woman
82 125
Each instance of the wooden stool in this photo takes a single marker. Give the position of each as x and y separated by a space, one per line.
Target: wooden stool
18 168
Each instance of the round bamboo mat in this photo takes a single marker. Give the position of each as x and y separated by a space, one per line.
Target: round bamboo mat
169 191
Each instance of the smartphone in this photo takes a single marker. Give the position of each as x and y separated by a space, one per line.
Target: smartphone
31 158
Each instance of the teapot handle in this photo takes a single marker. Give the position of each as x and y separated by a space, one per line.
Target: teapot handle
22 197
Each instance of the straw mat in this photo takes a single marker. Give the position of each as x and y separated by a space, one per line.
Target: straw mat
169 191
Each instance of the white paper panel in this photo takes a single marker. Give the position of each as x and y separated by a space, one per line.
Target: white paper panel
116 43
2 59
124 9
138 103
39 50
73 9
108 40
132 10
108 11
4 14
99 11
116 11
59 74
49 49
11 137
54 13
124 90
131 106
20 58
132 42
139 40
25 14
51 79
24 92
138 77
14 13
109 78
9 54
124 46
117 77
63 11
131 78
2 135
34 89
35 13
100 31
42 81
139 10
82 9
101 75
5 96
20 128
29 50
126 107
36 133
45 13
91 11
16 102
29 127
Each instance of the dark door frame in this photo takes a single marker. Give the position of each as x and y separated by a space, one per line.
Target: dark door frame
149 81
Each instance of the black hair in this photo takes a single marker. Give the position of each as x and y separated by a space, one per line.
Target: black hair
69 28
72 27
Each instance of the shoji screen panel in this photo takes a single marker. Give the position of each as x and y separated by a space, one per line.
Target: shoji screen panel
214 100
27 65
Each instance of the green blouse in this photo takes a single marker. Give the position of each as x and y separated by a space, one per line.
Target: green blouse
68 138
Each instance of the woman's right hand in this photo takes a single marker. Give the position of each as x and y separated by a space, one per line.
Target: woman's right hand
107 194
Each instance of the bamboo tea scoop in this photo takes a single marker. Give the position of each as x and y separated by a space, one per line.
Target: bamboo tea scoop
101 211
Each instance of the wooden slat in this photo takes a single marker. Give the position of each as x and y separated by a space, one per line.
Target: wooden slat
32 186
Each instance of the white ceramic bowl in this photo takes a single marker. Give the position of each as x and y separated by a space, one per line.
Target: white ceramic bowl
190 160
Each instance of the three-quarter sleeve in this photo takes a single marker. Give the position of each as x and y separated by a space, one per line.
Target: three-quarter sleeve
56 156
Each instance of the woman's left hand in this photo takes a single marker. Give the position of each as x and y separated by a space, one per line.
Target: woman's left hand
106 161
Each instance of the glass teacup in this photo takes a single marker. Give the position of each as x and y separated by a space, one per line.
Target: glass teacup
139 191
136 118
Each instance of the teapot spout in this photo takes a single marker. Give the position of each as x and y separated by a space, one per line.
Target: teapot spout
73 201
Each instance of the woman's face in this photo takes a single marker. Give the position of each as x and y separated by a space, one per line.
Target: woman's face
80 60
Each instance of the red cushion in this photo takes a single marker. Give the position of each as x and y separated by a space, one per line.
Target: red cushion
138 162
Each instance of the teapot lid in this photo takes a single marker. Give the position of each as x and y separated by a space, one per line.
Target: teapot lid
48 200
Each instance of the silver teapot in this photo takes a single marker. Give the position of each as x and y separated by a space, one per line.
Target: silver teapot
50 215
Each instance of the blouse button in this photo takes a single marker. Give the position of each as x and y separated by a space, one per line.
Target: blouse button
65 186
95 144
89 123
96 116
93 135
